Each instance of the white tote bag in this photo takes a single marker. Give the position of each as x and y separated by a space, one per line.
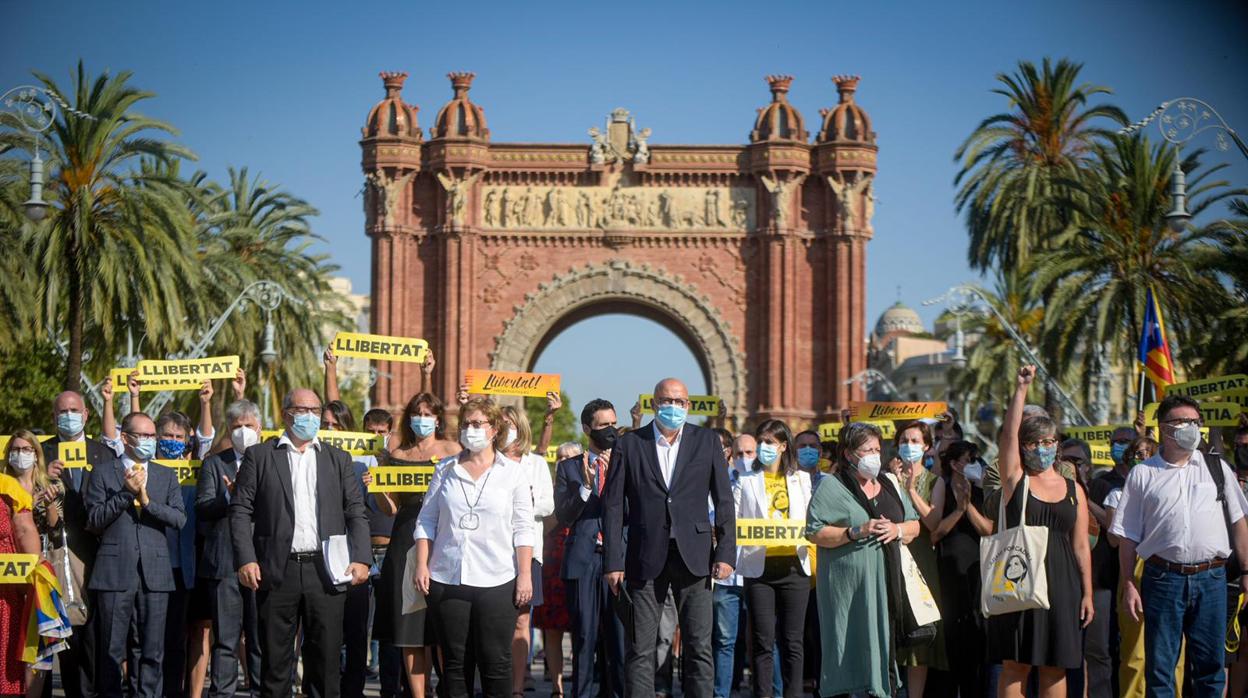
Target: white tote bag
922 603
1011 565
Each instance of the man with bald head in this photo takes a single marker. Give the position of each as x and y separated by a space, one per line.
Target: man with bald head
292 495
70 415
659 479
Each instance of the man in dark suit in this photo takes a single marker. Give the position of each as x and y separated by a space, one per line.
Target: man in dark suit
658 482
70 414
132 503
596 629
293 497
233 606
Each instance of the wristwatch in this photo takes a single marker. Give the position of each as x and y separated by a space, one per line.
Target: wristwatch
853 532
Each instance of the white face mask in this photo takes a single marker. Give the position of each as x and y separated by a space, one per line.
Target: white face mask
243 438
21 461
744 464
474 439
1186 437
869 466
511 438
973 472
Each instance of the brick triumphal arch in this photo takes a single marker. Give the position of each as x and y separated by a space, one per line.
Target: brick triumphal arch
754 255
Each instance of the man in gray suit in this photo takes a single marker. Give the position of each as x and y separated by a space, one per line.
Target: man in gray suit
294 495
131 503
233 606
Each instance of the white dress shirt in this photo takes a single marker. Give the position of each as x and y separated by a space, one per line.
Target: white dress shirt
543 497
501 499
1172 511
667 450
303 490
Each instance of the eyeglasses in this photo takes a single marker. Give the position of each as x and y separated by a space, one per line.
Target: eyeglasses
303 409
137 435
665 401
1180 422
477 424
868 451
1046 443
23 449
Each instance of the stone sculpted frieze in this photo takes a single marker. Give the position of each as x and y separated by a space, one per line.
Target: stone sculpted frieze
644 208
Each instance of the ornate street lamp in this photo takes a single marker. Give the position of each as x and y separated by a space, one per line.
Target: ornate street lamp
34 109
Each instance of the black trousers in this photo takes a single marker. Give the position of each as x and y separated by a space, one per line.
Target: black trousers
777 604
77 661
474 628
694 605
175 639
596 633
233 616
130 628
355 637
302 601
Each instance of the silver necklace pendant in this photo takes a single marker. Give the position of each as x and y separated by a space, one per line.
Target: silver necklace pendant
470 521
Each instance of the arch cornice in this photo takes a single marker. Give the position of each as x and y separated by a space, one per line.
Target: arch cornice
619 280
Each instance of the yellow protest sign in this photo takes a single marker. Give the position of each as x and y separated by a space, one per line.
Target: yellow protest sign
483 381
706 405
1101 454
176 374
901 411
4 440
1097 434
381 347
266 434
830 431
15 568
357 443
1209 386
73 454
401 478
771 533
1239 397
1213 414
552 454
186 470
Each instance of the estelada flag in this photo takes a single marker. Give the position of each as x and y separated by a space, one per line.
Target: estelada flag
1154 350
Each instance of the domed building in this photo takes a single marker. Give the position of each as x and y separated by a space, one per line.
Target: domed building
899 319
914 361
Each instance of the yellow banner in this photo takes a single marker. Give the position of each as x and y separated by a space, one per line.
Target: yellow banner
1239 397
1218 385
706 405
401 478
73 454
178 374
901 411
830 431
15 568
4 440
552 454
1214 414
1101 454
771 533
1097 434
266 434
186 470
482 381
381 347
357 443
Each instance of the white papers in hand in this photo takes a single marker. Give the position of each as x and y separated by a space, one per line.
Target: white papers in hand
337 559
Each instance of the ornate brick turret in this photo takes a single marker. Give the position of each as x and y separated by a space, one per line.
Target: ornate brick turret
779 121
460 118
392 117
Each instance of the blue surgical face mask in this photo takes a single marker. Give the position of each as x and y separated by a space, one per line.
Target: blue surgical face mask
1116 451
170 448
144 449
768 454
808 457
671 416
305 426
69 424
423 425
911 453
1040 459
929 462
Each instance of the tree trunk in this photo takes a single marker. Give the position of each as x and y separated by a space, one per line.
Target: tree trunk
73 363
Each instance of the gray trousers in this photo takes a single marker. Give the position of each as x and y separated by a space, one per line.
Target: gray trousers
694 609
233 615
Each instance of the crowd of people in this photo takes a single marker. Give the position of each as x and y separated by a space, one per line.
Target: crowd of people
280 548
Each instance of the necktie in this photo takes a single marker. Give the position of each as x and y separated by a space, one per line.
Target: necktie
600 463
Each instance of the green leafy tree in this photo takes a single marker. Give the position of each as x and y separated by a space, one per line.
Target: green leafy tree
992 361
30 376
566 426
1226 350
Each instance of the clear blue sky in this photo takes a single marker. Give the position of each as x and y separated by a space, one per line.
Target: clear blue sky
283 88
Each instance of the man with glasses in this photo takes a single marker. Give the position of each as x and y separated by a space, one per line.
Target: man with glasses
294 498
1172 515
659 478
132 503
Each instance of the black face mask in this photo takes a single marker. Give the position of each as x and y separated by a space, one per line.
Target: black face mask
1241 457
604 438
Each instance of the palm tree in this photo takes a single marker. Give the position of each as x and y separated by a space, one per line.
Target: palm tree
1014 162
1097 274
992 360
1229 258
111 245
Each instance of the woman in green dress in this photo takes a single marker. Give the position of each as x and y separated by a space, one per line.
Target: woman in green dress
859 520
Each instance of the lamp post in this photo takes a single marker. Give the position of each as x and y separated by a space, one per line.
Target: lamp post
1179 121
968 297
265 294
35 110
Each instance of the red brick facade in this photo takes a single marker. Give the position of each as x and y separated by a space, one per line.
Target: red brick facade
755 255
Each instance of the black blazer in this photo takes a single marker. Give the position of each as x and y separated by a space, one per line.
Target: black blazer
262 511
133 540
212 509
637 498
83 542
583 517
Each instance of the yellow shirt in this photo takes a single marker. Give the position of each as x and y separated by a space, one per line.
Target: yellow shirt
778 507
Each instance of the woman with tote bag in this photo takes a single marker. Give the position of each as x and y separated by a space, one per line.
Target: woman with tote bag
1048 635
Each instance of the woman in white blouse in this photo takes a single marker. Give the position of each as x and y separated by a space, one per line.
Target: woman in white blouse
474 552
519 447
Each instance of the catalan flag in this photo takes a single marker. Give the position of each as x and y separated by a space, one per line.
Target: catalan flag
1154 350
